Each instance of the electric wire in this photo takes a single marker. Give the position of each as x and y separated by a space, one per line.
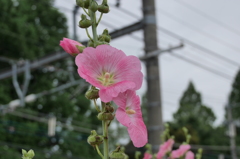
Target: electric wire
204 49
210 18
192 27
189 42
223 75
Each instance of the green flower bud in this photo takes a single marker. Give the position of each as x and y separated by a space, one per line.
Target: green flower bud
80 3
105 116
86 4
92 94
85 23
105 36
95 139
80 48
117 154
27 155
137 154
94 6
103 8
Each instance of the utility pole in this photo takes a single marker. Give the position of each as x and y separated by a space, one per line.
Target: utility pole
154 107
232 132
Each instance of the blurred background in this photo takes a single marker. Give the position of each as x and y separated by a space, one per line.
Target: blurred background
42 103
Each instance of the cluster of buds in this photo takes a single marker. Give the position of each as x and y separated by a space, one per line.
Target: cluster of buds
92 93
94 139
102 8
118 154
107 114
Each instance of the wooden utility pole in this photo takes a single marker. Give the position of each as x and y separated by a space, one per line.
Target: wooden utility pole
154 108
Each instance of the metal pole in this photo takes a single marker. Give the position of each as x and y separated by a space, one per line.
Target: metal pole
154 108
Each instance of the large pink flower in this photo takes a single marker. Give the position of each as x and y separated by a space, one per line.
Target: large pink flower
147 156
180 152
129 114
189 155
110 70
164 148
69 46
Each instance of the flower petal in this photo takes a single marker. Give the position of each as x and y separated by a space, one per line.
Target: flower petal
138 134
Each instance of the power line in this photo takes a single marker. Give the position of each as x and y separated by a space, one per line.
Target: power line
223 75
199 30
199 12
216 55
198 46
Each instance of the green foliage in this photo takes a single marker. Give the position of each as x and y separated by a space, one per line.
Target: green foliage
196 117
29 30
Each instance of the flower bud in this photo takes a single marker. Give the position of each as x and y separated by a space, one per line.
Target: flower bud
95 139
94 6
117 154
27 155
92 94
70 46
80 3
86 4
80 48
105 116
103 8
109 108
85 23
105 36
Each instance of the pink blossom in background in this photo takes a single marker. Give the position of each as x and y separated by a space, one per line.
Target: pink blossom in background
180 152
110 70
129 114
147 156
164 148
69 46
189 155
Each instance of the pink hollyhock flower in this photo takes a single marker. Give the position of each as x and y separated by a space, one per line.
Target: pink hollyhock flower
129 114
164 148
69 46
189 155
110 70
147 156
180 152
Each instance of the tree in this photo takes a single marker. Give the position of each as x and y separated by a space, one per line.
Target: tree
234 103
192 114
29 30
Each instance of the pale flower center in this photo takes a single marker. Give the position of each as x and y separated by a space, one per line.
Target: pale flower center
106 79
130 111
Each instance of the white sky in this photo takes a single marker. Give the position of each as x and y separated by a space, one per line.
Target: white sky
175 74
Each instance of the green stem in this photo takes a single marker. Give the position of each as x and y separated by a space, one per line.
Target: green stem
85 11
96 106
105 134
99 18
94 25
99 152
88 35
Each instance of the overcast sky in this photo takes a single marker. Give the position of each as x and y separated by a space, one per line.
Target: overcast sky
212 24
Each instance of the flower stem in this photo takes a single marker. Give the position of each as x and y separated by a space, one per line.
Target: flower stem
105 134
94 25
88 35
99 18
96 106
99 152
85 11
